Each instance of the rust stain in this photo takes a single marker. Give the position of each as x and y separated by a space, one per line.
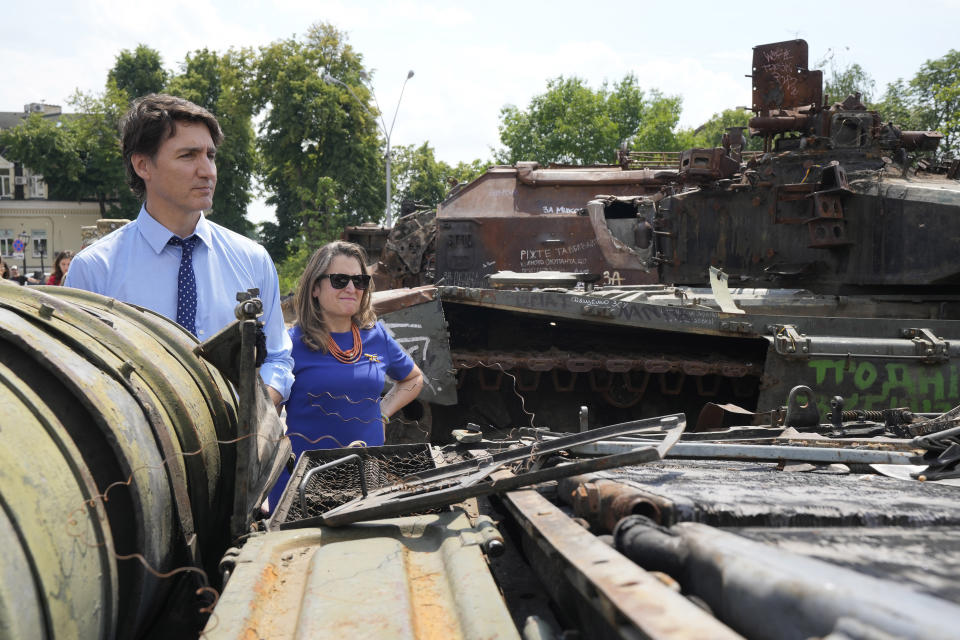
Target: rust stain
431 612
268 580
258 618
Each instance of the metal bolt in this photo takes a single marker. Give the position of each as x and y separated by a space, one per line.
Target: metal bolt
46 311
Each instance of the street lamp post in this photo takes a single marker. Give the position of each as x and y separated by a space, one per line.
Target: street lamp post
329 79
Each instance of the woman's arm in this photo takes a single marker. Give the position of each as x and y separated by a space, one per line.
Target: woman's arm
402 393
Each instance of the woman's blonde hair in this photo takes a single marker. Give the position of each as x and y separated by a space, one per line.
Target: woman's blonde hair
309 312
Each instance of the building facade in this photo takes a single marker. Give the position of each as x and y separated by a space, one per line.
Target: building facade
34 229
43 229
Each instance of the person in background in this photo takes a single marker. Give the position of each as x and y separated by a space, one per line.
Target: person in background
341 357
60 267
171 259
16 276
4 273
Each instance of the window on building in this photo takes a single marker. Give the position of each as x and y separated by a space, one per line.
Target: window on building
5 191
39 242
37 187
6 242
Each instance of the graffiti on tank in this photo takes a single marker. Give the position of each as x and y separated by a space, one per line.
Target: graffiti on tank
872 386
555 258
778 64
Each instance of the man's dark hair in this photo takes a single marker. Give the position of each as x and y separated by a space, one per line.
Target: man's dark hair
151 120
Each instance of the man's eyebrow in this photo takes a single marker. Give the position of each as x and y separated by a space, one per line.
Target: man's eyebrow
197 149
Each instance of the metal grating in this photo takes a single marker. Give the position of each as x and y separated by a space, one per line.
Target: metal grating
325 490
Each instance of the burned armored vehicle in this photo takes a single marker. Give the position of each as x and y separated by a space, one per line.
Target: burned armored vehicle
832 254
497 222
833 205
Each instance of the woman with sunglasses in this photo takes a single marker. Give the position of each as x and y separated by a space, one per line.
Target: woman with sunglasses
341 356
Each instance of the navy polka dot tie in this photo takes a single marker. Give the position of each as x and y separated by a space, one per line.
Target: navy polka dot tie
186 284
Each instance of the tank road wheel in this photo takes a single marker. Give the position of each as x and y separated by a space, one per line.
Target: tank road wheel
621 393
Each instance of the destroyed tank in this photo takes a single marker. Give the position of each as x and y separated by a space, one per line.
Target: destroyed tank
591 287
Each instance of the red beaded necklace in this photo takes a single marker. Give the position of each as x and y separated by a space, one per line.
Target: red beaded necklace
347 357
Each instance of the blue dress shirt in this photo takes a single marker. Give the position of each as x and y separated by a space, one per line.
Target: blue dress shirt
135 264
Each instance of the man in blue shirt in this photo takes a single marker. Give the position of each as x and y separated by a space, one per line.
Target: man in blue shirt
171 258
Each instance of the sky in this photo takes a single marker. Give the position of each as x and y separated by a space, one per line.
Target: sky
472 58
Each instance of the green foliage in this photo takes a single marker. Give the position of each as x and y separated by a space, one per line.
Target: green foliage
423 179
657 124
936 90
313 130
96 130
46 147
222 85
849 81
78 155
710 133
841 81
464 172
897 106
138 72
320 221
290 270
572 124
929 101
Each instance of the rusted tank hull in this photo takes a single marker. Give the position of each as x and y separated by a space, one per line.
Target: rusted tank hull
870 237
469 250
528 219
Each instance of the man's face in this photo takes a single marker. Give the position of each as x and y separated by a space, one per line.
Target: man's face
181 177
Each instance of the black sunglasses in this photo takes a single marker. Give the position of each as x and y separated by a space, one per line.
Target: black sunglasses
340 280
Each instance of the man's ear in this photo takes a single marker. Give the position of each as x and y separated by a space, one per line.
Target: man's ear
141 165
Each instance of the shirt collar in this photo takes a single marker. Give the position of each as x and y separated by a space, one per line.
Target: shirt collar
158 235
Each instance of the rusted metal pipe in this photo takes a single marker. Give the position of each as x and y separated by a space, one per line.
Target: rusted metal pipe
765 592
612 596
920 140
779 124
603 502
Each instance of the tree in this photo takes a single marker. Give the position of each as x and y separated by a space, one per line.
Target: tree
222 85
465 172
320 221
842 81
47 148
897 106
96 128
420 177
423 179
573 124
936 90
710 133
79 154
847 82
659 119
313 130
138 72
